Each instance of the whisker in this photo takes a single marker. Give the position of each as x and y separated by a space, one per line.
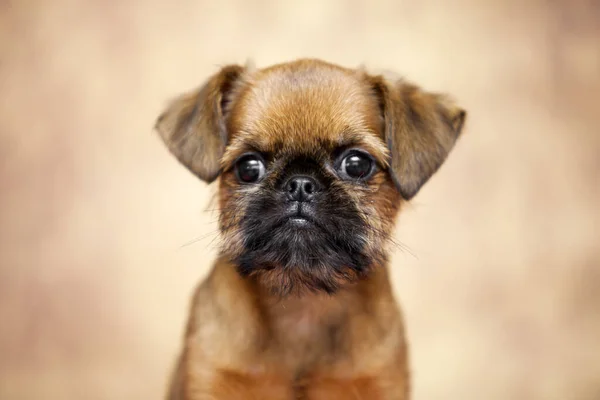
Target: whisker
199 238
396 242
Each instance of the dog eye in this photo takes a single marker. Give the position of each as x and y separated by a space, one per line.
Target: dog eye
356 165
250 168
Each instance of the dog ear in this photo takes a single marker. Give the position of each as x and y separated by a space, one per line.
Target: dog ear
193 125
420 129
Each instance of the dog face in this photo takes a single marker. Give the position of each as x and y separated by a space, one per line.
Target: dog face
314 161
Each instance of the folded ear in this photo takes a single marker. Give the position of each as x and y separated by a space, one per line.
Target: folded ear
193 125
420 129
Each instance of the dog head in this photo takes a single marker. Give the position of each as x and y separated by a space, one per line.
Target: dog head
314 161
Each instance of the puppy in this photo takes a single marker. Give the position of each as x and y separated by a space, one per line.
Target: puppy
313 163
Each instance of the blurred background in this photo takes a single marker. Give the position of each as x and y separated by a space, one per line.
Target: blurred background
501 282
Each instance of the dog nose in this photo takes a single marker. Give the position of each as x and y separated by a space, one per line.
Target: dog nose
301 188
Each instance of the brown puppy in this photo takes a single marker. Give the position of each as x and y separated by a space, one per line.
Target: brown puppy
314 162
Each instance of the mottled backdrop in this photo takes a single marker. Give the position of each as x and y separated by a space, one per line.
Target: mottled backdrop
500 278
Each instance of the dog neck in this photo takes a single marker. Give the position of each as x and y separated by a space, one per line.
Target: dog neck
309 327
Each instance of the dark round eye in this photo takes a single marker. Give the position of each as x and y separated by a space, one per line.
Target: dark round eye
356 166
250 168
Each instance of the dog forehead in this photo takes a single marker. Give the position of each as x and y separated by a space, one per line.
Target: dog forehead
304 106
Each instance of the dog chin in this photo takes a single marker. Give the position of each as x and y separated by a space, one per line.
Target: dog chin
298 255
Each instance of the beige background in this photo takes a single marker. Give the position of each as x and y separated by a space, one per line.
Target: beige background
500 286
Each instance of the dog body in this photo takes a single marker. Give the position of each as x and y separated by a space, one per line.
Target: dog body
314 161
245 343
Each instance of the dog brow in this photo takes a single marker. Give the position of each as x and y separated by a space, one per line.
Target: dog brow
368 141
244 142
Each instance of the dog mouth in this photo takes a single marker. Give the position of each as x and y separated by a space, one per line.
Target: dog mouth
299 221
299 245
300 215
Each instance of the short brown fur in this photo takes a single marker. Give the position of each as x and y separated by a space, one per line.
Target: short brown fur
290 332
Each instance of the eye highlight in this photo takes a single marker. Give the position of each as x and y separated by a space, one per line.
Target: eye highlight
356 165
250 168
